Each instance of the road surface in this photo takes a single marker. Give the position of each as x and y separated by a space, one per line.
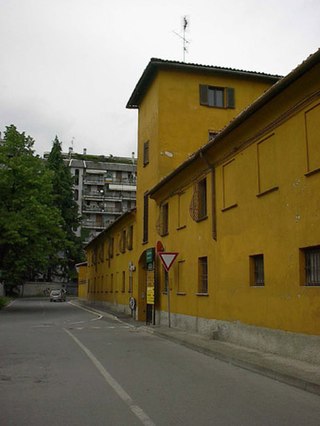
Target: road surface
64 365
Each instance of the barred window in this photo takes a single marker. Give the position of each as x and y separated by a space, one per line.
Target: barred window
203 275
257 270
312 266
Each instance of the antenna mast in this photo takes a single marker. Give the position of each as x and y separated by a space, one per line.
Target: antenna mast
185 24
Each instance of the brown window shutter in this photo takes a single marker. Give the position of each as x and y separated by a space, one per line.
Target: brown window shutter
203 94
230 97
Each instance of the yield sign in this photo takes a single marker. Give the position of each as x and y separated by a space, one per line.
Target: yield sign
167 259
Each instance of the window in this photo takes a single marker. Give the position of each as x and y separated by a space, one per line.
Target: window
76 177
198 207
123 289
145 218
230 179
257 270
164 219
122 241
312 117
111 248
181 211
130 283
218 97
146 153
203 275
311 263
267 165
181 277
111 283
130 238
212 134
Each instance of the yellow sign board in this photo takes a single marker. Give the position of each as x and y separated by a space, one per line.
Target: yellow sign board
150 287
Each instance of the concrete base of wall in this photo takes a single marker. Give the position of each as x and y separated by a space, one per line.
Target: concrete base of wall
293 345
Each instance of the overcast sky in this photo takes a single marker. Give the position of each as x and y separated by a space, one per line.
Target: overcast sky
68 67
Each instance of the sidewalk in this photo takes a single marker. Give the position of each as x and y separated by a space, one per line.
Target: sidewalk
293 372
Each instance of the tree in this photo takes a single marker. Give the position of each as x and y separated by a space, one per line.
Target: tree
62 180
31 226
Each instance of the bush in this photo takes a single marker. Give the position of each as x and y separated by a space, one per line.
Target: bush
4 301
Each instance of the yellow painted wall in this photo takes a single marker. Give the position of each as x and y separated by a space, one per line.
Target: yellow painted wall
82 282
173 121
108 271
267 202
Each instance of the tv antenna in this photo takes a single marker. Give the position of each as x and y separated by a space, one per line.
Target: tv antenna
185 24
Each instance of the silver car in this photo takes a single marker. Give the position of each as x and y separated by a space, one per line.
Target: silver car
57 296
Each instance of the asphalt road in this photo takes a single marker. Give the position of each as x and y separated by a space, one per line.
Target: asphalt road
64 365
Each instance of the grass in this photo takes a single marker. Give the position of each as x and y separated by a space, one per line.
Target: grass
4 301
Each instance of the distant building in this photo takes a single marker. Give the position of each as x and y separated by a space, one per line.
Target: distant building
104 189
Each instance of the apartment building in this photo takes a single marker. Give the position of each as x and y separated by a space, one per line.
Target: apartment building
104 189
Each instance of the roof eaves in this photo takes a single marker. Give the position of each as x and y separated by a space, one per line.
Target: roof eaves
155 64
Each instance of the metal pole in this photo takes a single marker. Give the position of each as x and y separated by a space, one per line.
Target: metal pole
168 294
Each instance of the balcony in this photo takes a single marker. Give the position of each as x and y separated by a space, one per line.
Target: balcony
92 180
101 210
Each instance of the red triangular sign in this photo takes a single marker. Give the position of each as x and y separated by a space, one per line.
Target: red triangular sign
167 259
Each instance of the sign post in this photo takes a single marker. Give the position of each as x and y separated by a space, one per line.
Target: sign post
167 259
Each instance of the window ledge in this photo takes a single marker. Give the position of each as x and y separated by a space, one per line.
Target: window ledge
258 286
181 293
267 191
181 227
311 286
312 172
200 219
232 206
164 234
202 294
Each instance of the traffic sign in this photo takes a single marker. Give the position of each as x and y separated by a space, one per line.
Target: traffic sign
167 259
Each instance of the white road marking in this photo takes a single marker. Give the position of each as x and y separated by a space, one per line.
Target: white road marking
138 411
99 316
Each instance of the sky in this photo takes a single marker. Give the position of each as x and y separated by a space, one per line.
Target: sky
68 67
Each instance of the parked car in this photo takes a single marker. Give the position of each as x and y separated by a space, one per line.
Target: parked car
58 296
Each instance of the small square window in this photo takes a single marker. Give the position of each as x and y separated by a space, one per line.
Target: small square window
257 270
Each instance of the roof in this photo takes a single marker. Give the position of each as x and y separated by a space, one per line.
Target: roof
156 64
270 94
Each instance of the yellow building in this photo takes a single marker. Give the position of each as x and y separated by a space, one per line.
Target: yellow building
181 106
244 215
228 178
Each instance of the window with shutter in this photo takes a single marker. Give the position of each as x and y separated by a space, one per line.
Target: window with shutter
218 97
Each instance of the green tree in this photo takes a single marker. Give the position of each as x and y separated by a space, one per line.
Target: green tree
72 251
31 227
